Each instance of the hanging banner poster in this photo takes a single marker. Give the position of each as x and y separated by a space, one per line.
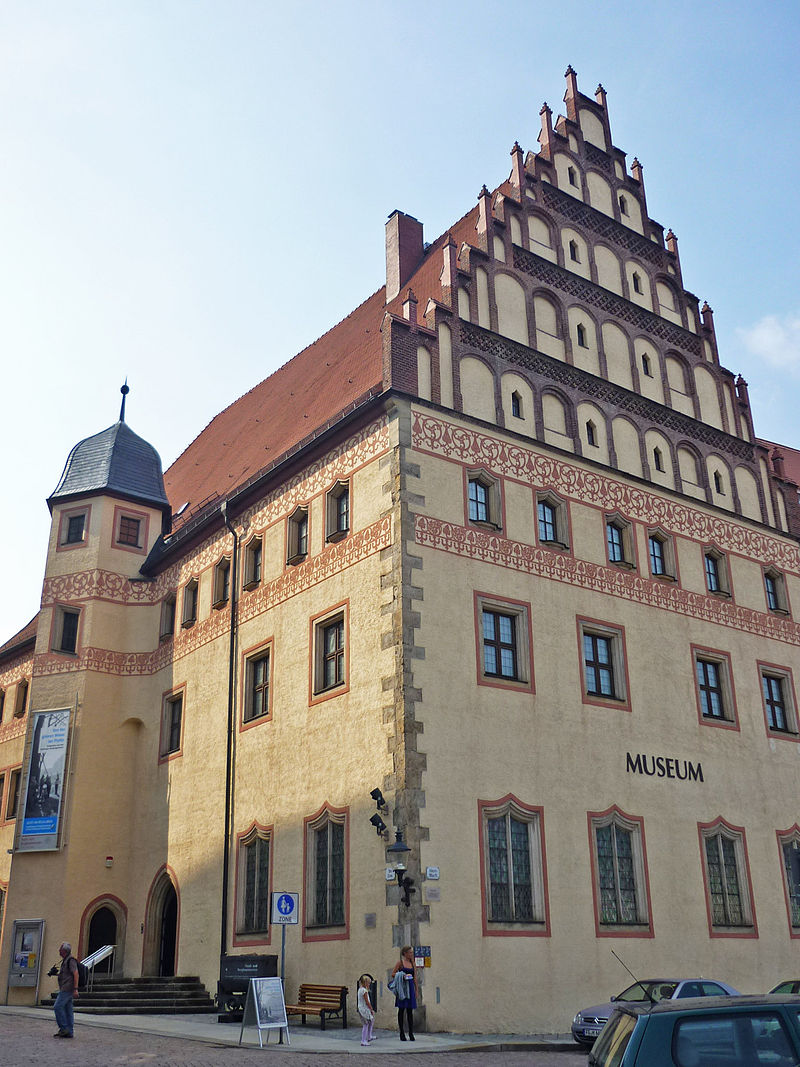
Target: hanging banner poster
44 787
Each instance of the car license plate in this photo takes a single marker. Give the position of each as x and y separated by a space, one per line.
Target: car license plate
592 1031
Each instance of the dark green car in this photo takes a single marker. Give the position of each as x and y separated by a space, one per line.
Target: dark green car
702 1032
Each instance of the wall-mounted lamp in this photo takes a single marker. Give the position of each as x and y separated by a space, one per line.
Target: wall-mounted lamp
380 803
379 824
398 852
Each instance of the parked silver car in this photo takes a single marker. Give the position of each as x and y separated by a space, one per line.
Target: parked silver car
588 1023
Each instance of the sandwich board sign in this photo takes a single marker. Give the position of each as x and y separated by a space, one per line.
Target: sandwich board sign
265 1008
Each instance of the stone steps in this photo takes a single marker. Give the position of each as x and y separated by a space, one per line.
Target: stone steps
144 996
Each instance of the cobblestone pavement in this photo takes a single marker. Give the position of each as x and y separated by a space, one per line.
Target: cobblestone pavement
27 1042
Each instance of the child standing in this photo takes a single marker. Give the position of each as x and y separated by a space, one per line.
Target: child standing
365 1010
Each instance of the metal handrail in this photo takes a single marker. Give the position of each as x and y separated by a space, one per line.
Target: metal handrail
98 957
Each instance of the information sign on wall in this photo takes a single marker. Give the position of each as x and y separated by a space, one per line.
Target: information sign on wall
42 803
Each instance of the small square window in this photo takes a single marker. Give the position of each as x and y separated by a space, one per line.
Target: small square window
483 499
619 542
716 572
337 512
253 557
330 664
65 630
222 583
716 703
190 593
777 692
75 527
129 531
171 725
297 533
603 666
257 685
551 519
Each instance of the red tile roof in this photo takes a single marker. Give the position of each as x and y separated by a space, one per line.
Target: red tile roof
27 633
285 408
791 459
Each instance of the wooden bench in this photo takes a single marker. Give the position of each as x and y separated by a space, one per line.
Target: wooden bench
320 1000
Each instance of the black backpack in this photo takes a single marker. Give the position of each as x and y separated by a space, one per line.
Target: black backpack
83 974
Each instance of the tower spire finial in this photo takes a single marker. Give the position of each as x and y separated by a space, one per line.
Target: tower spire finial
124 390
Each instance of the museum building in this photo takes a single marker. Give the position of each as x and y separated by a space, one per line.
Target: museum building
500 563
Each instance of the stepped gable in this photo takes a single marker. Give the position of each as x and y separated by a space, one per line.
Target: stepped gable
116 460
426 281
324 379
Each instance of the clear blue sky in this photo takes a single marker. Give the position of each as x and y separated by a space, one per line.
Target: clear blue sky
191 192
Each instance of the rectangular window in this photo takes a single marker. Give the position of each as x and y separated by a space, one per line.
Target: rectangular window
714 687
602 662
65 630
503 642
619 541
128 533
657 562
257 682
661 552
330 653
551 517
21 703
337 512
478 502
326 866
252 562
12 801
621 893
168 616
717 574
499 645
777 691
189 617
172 725
775 591
254 882
222 583
2 708
483 498
297 533
75 527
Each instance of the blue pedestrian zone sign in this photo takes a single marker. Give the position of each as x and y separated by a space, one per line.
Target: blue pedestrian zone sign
285 908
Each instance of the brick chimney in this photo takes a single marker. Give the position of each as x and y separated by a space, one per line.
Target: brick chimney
404 251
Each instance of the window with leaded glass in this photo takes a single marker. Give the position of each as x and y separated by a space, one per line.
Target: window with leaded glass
499 645
725 882
512 851
257 679
253 914
327 872
615 875
128 532
790 850
621 896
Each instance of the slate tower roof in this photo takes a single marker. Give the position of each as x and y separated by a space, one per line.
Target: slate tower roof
114 461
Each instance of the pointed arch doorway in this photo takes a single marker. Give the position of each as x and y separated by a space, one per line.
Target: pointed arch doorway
160 952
